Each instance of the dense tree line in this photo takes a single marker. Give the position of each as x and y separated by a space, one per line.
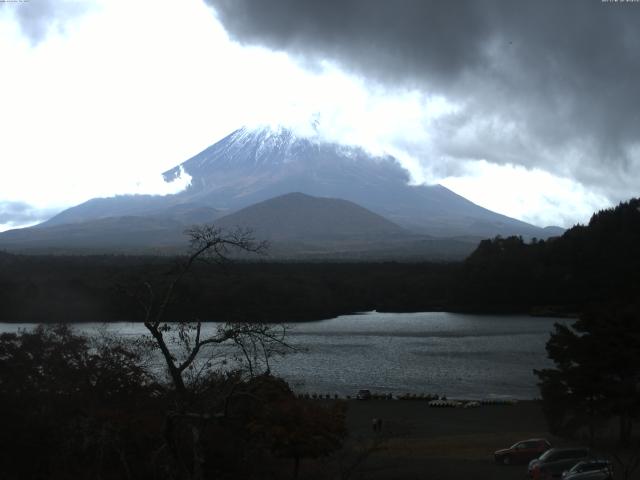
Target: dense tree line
588 264
595 381
100 288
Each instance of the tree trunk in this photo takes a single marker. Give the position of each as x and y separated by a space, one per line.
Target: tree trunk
296 466
626 426
176 374
198 459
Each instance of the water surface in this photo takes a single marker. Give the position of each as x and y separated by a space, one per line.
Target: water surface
458 355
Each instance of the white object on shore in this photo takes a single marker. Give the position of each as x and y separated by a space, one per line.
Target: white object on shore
499 401
444 404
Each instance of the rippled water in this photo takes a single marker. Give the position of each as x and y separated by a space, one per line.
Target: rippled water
461 356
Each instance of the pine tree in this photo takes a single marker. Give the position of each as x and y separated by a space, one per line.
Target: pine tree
597 372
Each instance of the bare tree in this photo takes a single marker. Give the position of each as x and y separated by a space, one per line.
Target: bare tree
182 342
255 341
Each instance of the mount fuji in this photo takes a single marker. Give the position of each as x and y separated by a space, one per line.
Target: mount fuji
254 166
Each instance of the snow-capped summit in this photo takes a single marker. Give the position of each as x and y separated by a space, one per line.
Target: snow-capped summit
250 147
251 165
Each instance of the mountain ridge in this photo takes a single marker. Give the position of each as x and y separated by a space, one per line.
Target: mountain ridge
248 167
297 226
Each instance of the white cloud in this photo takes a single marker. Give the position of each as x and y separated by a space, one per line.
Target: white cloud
157 184
134 89
11 225
532 195
130 89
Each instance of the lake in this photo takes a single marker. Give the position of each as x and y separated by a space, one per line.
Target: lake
458 355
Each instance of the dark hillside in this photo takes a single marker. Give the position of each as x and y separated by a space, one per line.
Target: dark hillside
303 217
588 264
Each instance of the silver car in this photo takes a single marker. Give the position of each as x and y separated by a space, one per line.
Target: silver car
590 470
555 461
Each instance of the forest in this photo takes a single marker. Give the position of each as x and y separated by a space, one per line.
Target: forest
588 264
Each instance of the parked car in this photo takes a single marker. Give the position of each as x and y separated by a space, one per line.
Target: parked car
522 452
555 461
363 395
590 470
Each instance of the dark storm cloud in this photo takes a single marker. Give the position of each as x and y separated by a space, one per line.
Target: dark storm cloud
563 75
20 213
392 40
37 17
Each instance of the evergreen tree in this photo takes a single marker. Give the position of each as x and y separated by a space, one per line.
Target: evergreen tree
597 372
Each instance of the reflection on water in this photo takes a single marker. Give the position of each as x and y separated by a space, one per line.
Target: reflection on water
465 356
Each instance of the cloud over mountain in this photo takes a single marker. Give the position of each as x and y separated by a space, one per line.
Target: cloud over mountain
20 213
36 18
549 85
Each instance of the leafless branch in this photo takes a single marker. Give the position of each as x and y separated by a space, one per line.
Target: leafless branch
207 242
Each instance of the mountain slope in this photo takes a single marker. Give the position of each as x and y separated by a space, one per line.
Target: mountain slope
135 229
296 216
117 234
250 166
297 226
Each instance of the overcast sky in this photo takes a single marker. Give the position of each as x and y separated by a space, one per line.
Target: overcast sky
531 109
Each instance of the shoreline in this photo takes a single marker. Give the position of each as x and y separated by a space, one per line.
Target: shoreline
533 313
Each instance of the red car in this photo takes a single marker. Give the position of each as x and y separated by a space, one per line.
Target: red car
522 452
